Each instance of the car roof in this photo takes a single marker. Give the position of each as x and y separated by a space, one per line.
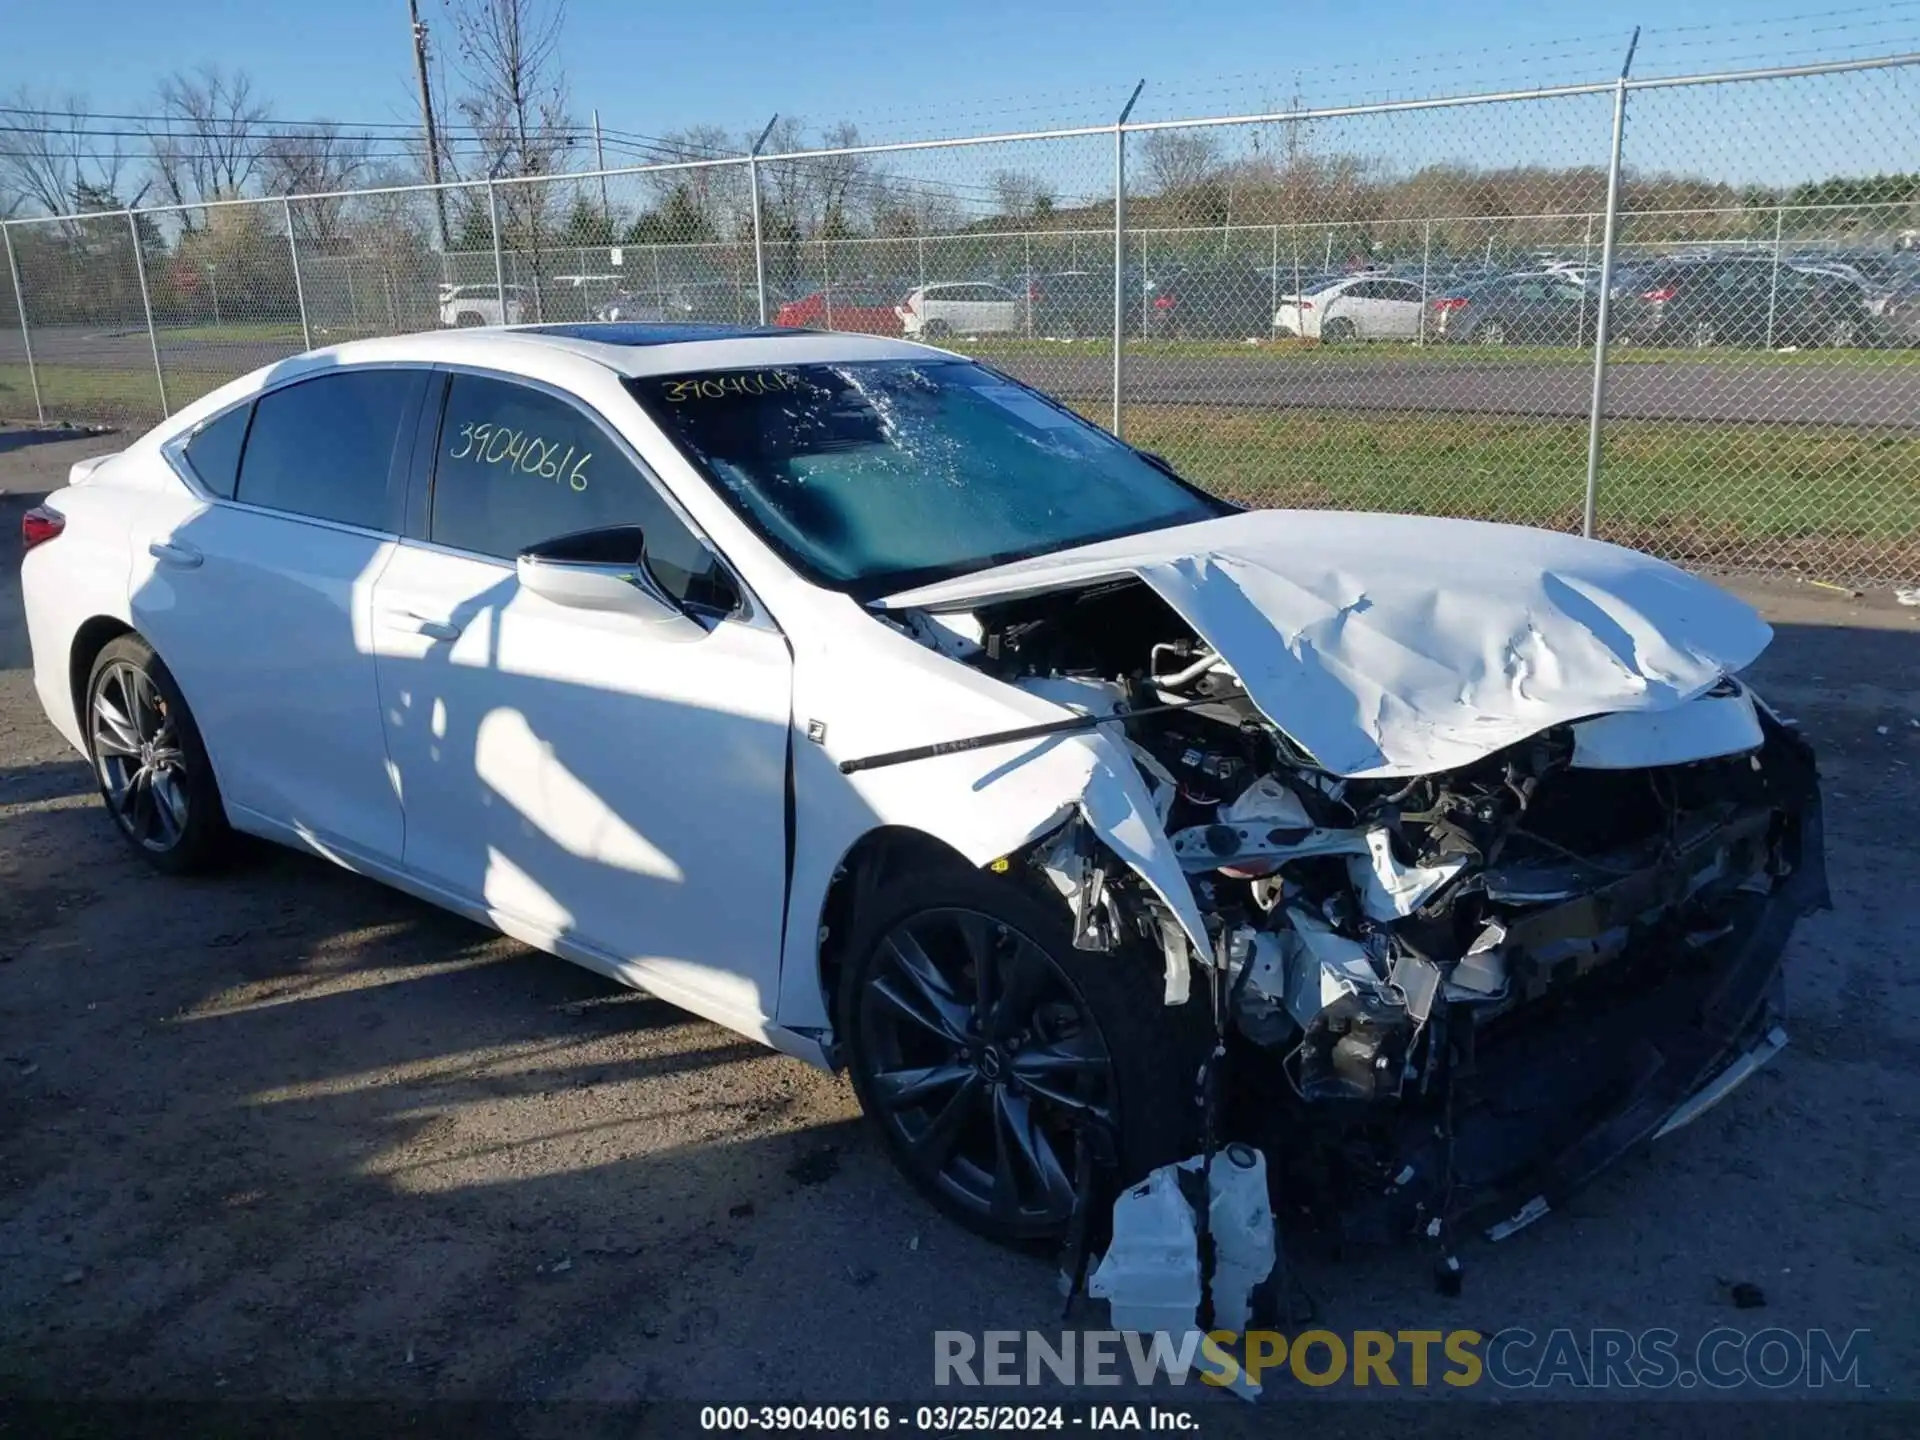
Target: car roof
627 349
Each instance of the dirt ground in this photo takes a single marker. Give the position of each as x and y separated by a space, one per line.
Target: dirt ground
284 1133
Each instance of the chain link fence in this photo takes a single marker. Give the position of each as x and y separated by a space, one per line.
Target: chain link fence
1683 313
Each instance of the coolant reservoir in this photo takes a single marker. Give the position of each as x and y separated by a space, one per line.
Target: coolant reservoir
1241 1217
1150 1275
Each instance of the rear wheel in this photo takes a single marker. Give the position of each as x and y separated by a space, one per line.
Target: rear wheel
1843 334
1492 332
983 1046
467 319
149 761
1704 334
936 329
1338 332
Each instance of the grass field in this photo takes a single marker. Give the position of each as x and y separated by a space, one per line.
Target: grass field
77 392
1831 500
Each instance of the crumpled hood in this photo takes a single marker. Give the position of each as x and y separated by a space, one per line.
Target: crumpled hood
1405 645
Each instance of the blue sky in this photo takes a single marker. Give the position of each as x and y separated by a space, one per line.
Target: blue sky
909 67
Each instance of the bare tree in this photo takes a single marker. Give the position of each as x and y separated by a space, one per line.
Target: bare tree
516 92
1181 160
315 159
52 162
210 137
708 203
1021 194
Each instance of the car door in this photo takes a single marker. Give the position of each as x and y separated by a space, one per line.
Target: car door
1396 310
585 776
260 601
998 311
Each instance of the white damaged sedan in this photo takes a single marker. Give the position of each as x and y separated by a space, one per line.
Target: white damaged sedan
860 699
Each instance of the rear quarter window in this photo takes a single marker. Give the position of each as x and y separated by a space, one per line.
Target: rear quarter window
213 453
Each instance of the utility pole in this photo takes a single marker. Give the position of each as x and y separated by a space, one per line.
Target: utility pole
600 164
426 119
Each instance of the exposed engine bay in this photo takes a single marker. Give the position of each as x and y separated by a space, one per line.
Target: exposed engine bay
1442 991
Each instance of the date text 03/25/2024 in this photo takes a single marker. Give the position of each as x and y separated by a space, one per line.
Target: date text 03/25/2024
946 1419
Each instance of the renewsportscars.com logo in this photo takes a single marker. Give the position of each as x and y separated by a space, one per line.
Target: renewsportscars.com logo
1511 1359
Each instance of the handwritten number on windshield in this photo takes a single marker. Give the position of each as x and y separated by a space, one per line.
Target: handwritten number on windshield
517 450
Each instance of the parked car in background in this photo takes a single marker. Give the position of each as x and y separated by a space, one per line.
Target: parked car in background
1738 301
1900 316
1221 300
1362 307
860 312
1073 304
468 305
575 297
1536 309
713 301
961 308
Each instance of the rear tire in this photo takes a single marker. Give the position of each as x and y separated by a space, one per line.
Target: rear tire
468 320
936 330
149 761
1338 332
974 1087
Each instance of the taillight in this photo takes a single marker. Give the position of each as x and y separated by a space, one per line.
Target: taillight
1666 294
1306 304
1454 303
1163 302
1033 292
40 525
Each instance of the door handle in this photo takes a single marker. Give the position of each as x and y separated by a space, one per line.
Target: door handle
421 625
184 556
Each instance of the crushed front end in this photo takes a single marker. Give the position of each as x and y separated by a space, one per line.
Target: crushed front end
1448 997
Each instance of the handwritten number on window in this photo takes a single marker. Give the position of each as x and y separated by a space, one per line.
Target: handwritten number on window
517 450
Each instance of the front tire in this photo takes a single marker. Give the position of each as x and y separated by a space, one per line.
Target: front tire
982 1045
149 761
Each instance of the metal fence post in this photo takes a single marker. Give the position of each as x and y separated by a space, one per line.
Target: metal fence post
1426 260
1773 280
1026 250
299 286
753 196
1273 285
1599 401
146 304
499 268
1120 250
26 337
826 280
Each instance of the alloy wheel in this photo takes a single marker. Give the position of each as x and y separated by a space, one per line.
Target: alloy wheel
139 758
1491 333
985 1063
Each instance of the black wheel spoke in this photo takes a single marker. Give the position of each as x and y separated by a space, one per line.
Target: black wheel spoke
1059 1072
935 1143
916 987
982 1078
1033 1152
904 1089
1023 974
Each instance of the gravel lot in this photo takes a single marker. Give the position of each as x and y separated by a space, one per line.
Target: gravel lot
286 1133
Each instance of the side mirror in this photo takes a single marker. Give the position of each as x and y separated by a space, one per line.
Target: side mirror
602 570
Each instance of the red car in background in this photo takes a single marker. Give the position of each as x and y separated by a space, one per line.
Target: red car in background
864 312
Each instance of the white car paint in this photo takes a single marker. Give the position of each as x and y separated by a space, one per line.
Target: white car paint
515 829
1407 645
1378 307
971 308
617 793
475 305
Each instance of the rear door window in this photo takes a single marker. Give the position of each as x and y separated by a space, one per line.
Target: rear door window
325 447
517 466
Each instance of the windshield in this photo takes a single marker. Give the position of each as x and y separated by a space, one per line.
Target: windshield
870 476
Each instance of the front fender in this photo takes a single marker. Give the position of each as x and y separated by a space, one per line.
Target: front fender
983 803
